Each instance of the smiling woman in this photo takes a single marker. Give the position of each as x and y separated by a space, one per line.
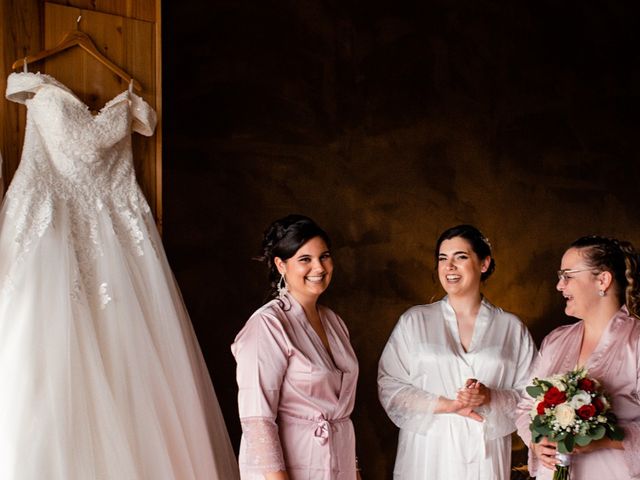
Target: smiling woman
599 279
297 371
451 373
308 273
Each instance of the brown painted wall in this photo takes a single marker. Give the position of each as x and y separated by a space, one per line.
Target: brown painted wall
388 123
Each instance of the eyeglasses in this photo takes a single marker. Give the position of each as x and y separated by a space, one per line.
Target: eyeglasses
563 275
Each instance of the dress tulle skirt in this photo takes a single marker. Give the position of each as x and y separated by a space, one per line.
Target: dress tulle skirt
101 376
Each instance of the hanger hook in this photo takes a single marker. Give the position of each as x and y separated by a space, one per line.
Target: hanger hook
24 65
78 21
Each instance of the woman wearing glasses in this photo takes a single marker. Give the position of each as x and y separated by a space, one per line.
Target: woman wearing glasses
451 372
600 281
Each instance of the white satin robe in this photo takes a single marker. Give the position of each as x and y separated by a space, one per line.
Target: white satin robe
424 360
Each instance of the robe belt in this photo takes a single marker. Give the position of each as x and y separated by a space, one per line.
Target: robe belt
323 426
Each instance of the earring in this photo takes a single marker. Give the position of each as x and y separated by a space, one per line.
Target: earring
282 286
602 293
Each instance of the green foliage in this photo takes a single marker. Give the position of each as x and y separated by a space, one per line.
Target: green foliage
561 473
536 436
534 390
575 430
566 444
559 437
616 433
583 440
598 432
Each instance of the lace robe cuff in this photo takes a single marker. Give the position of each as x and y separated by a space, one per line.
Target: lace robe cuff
411 408
523 419
499 417
261 445
533 463
631 445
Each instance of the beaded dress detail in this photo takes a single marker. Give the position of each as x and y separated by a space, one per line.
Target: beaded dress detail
102 375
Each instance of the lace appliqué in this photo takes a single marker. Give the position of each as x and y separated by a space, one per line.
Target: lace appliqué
104 296
631 445
261 445
409 407
77 173
500 414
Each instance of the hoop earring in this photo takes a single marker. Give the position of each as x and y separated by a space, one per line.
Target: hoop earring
602 293
282 286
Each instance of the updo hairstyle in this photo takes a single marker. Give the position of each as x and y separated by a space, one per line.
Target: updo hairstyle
283 238
479 244
618 257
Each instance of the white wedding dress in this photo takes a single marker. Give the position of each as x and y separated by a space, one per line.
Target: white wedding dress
101 375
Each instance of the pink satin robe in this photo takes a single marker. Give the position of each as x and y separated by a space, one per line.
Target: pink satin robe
294 401
616 363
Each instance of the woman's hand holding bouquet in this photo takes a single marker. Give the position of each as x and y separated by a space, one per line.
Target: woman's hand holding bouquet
570 411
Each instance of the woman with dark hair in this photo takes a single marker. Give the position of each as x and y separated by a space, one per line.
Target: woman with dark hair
600 282
297 371
452 372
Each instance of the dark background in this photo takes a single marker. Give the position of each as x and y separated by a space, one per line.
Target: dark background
388 122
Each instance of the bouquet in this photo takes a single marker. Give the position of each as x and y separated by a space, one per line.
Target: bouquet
571 409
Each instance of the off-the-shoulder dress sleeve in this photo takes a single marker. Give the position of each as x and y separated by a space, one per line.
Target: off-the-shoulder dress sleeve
261 350
408 406
144 116
23 86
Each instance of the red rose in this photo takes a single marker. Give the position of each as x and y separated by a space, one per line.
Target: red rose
587 385
585 412
541 407
598 405
554 397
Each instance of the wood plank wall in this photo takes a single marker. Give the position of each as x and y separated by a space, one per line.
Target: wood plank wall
125 31
20 33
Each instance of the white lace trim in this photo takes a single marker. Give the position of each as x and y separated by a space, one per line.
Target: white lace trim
261 444
631 445
76 167
409 407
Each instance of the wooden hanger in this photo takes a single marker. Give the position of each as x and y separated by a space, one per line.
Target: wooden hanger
77 38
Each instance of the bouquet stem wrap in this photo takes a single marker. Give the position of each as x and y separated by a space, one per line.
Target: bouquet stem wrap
563 468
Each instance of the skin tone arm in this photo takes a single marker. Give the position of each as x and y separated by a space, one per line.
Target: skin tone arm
474 395
276 476
446 405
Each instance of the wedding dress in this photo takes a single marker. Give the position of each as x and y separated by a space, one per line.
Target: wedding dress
101 373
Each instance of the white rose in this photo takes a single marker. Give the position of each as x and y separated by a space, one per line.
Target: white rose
557 381
534 411
565 415
579 399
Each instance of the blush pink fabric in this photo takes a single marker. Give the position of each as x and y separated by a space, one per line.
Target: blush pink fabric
294 397
616 364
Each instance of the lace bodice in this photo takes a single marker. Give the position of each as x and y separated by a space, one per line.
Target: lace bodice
76 165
